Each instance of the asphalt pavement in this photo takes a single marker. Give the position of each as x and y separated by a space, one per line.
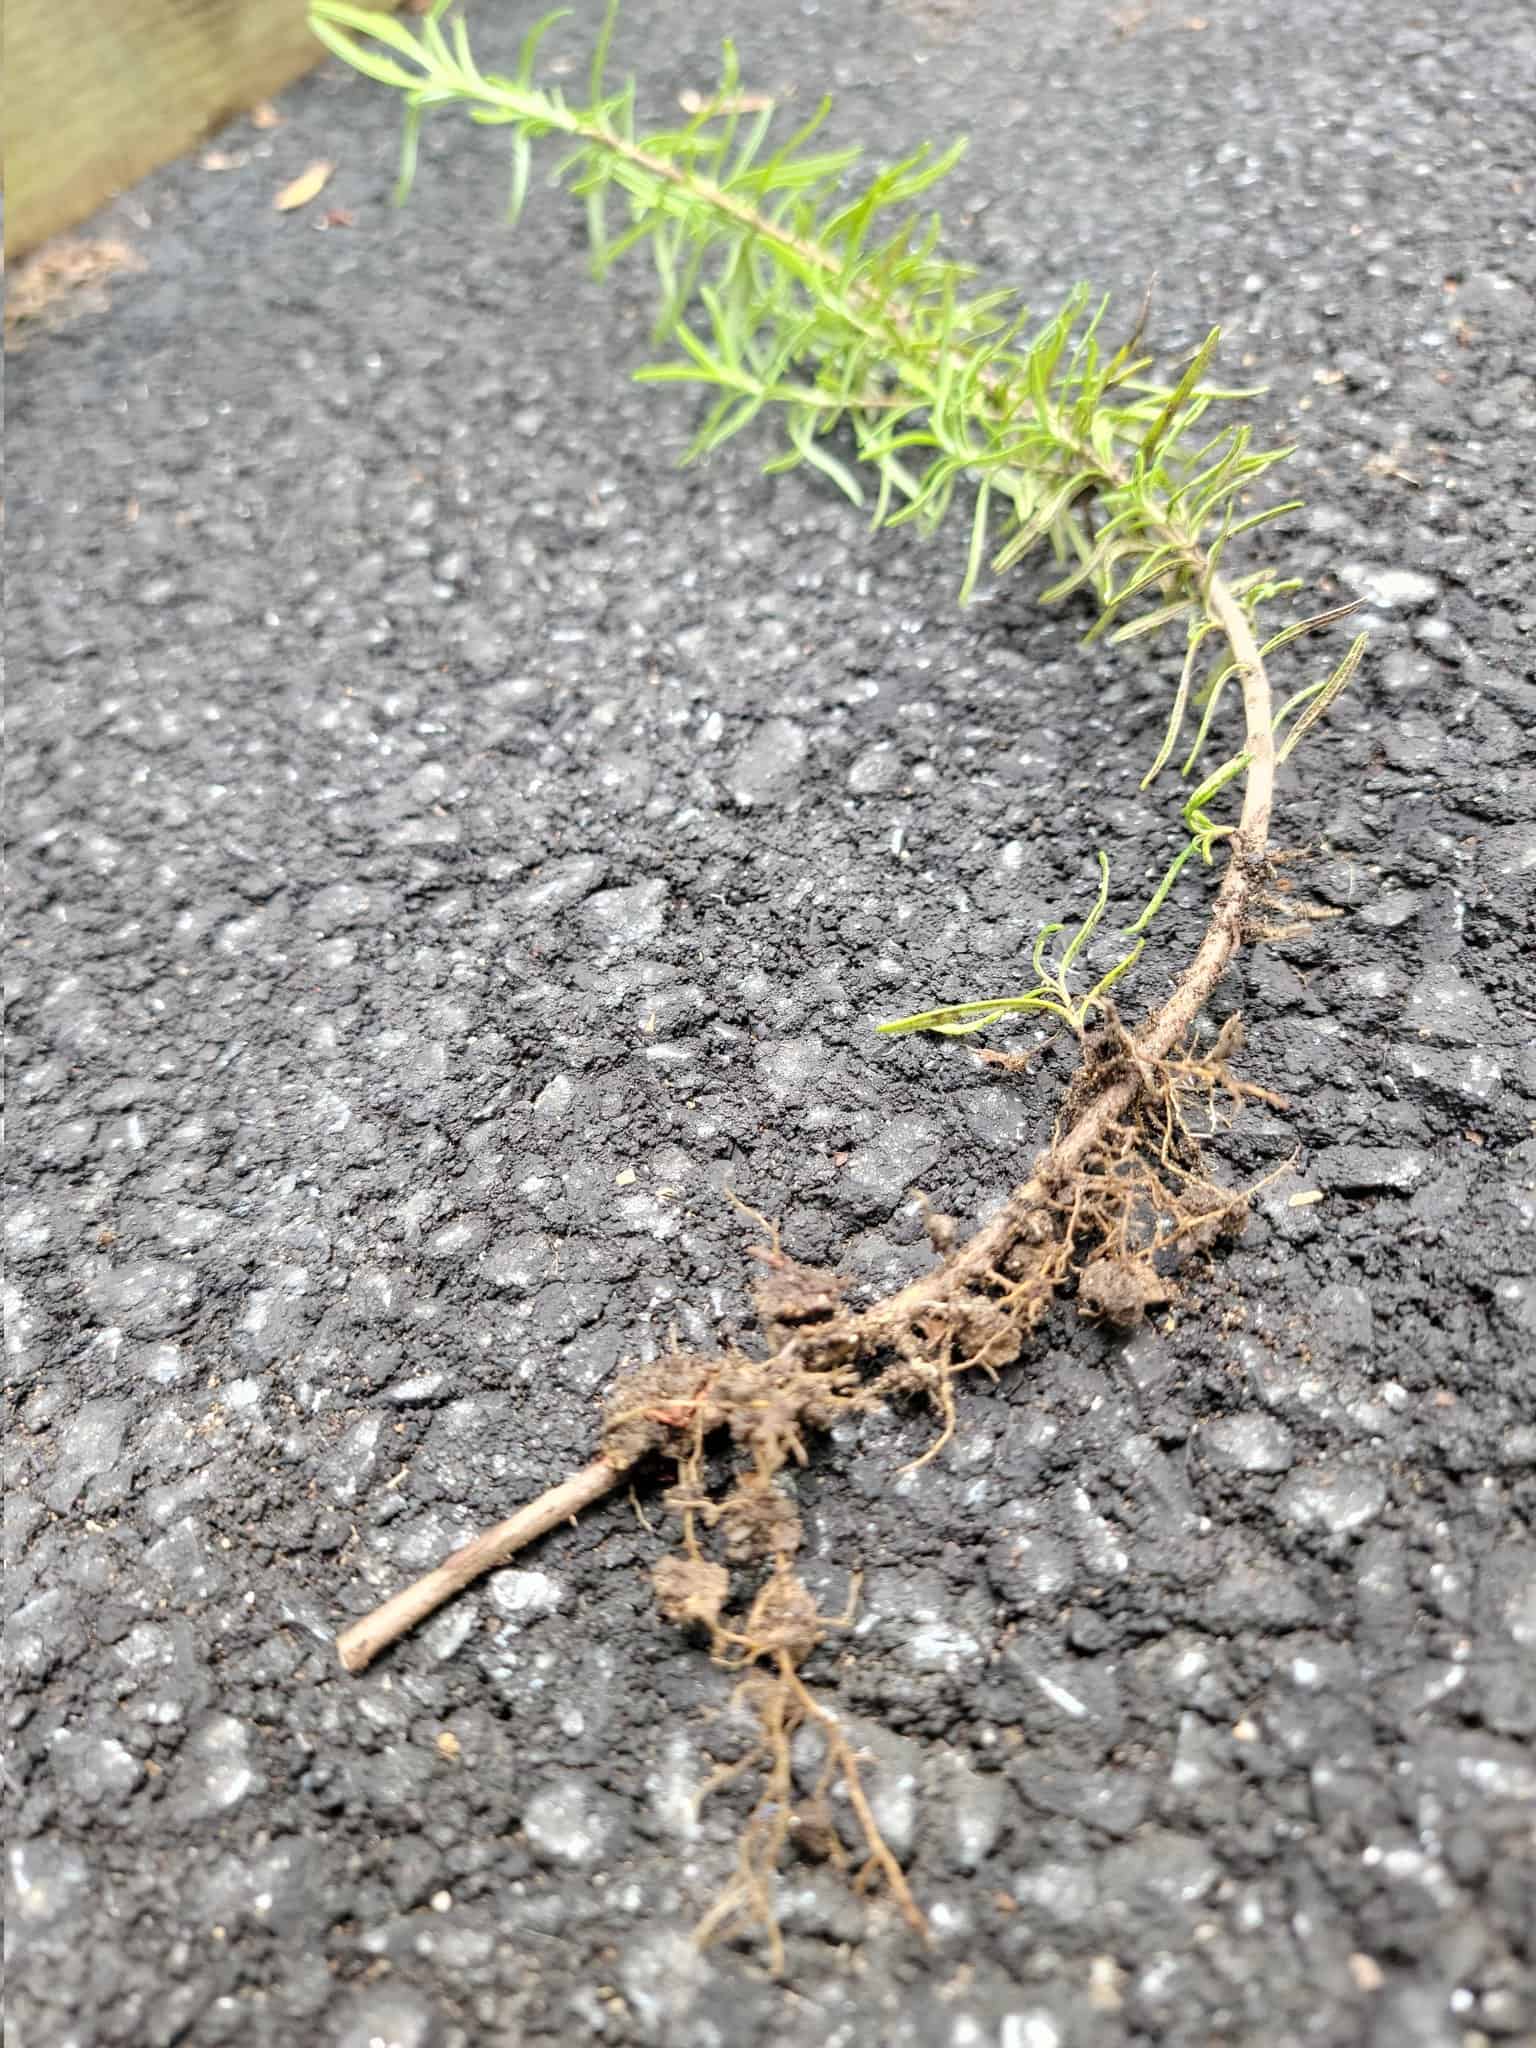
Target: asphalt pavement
449 846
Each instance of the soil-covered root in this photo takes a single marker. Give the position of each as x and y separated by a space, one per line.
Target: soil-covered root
1113 1206
781 1629
1115 1223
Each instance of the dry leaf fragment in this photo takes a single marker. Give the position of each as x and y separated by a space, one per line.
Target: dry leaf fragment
265 115
306 186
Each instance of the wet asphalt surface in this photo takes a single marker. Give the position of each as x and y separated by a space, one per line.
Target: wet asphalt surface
448 846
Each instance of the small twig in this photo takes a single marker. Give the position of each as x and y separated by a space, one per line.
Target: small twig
358 1645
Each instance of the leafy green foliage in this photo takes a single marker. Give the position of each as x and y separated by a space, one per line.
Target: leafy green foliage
1051 995
783 290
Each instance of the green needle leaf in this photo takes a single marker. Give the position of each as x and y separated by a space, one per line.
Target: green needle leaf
791 289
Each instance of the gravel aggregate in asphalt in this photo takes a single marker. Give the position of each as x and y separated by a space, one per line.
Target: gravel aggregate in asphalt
449 846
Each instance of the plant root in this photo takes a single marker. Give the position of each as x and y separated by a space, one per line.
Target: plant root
1112 1217
1115 1224
781 1630
1112 1203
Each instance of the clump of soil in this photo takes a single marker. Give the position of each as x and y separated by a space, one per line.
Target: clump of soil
59 282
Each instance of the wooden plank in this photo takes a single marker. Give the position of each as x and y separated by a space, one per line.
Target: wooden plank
98 92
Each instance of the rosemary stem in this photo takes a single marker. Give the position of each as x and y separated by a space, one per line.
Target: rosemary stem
890 341
361 1642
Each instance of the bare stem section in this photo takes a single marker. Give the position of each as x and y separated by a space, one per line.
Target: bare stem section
358 1645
